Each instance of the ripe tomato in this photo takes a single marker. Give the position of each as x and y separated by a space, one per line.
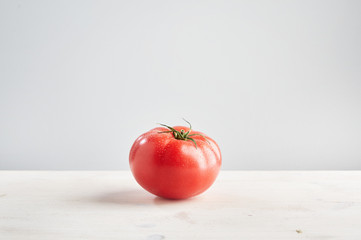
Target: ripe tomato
175 162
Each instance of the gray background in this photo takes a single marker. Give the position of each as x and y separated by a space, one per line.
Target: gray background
276 83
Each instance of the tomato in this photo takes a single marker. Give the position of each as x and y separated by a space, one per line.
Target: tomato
175 162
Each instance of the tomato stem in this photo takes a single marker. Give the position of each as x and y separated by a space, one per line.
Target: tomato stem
183 135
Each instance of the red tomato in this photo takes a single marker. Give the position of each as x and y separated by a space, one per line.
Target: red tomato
175 163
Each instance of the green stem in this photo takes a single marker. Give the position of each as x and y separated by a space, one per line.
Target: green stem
182 135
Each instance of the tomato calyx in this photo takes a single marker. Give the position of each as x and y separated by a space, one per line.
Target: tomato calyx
182 134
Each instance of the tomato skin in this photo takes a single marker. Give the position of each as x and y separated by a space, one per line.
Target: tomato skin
173 168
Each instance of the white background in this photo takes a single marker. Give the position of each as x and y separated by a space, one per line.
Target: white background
276 83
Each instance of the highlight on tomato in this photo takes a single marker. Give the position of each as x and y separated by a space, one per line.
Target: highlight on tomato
175 162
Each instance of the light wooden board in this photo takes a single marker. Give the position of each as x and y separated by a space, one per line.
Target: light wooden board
240 205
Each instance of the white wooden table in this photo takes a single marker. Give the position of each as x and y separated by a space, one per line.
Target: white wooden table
240 205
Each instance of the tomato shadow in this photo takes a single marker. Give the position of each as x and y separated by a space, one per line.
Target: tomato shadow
166 201
126 197
137 198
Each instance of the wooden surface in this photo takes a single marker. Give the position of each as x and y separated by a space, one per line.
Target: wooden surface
240 205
